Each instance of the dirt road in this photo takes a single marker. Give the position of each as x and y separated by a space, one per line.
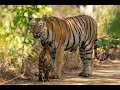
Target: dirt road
104 73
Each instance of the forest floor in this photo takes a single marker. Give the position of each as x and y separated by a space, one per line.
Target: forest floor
104 73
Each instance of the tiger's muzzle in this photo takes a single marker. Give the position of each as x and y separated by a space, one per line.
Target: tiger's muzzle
37 35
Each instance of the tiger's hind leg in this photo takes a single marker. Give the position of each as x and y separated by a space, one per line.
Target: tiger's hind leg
86 51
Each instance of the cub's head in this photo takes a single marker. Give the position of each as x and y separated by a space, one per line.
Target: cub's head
38 26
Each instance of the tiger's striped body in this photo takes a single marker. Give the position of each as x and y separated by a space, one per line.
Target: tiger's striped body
79 32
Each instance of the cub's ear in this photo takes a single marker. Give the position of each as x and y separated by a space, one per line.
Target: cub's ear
44 17
30 18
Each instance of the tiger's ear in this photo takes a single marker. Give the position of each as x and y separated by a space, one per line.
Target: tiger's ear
44 17
30 18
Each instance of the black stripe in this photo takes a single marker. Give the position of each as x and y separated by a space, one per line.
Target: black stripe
57 21
68 31
82 58
89 42
80 31
83 21
91 27
74 40
88 49
77 30
83 45
82 53
69 35
86 27
96 39
89 52
73 37
80 22
82 50
95 46
88 59
67 45
74 25
41 66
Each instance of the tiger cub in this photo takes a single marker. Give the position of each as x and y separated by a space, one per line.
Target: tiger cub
44 65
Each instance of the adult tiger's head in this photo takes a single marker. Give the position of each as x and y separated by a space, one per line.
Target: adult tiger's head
38 26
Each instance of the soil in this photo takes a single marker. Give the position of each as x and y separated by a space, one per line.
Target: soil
104 73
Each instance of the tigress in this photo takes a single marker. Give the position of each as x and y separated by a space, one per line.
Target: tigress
69 34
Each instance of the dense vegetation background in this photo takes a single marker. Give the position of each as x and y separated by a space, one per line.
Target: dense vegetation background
19 51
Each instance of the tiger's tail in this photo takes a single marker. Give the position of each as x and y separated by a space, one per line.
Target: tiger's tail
100 55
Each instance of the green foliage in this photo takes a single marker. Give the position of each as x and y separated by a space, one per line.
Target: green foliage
108 43
5 34
103 16
108 19
21 26
16 39
103 43
114 25
21 14
114 42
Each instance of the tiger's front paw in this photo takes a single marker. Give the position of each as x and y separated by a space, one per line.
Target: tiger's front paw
84 74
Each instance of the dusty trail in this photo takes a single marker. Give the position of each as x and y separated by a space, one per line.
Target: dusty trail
105 73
